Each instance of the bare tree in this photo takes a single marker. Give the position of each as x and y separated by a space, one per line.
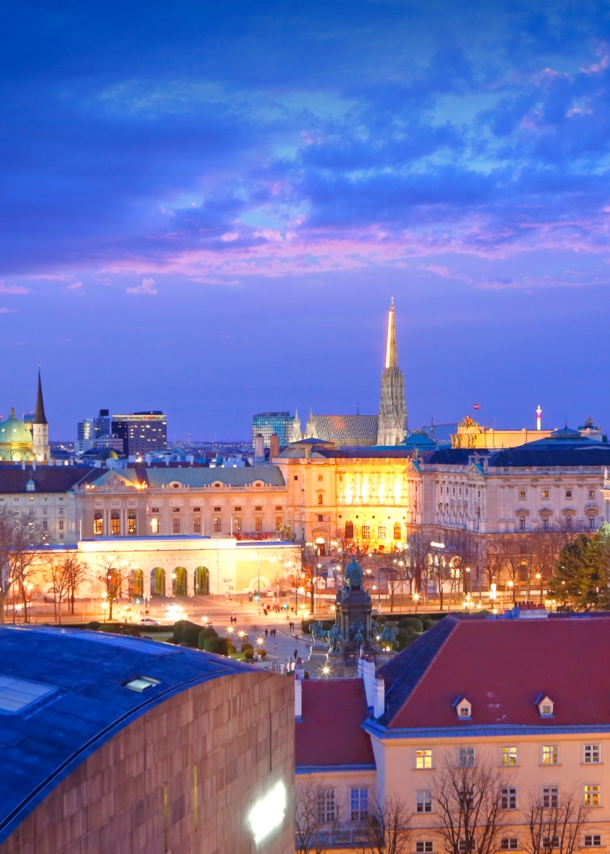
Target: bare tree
76 572
64 573
317 817
554 825
113 575
387 830
24 558
417 553
468 806
393 578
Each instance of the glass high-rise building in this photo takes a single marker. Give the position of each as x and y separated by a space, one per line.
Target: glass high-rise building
267 423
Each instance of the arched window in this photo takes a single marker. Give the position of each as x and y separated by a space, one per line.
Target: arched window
398 530
179 581
157 586
349 530
115 523
132 523
320 498
98 524
202 581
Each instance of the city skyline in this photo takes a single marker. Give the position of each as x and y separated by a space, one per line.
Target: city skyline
188 228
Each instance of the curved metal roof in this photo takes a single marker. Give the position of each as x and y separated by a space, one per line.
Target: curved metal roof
74 686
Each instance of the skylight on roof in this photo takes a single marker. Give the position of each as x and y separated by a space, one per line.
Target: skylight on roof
16 695
141 683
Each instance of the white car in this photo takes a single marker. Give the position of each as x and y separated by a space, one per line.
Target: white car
148 621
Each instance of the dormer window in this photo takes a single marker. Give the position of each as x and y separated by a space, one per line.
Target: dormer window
545 706
463 709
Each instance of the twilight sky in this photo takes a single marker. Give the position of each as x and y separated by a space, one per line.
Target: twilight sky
205 208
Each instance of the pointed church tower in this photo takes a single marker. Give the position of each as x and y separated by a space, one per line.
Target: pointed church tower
392 419
40 432
295 434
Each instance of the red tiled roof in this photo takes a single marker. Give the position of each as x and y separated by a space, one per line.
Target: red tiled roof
501 667
330 732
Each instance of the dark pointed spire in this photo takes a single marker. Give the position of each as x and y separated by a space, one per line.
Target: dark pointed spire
40 417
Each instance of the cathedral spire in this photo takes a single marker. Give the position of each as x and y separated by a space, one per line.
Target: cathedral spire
391 351
40 417
392 418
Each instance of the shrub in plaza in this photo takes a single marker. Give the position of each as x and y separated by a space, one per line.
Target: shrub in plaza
94 626
413 622
405 637
262 653
186 633
427 623
248 654
246 646
214 644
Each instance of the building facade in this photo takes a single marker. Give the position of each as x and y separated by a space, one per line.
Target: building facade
470 697
137 746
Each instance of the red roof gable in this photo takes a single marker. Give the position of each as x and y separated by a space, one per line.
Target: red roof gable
502 667
331 732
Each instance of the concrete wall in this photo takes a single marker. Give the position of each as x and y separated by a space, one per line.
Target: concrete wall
179 780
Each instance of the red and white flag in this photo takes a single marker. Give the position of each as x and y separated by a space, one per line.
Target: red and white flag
476 406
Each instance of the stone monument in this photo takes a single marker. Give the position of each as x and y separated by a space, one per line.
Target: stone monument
353 608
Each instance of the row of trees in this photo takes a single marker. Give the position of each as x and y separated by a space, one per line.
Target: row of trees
25 566
470 816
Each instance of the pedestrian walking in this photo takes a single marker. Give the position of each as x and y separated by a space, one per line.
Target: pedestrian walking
296 653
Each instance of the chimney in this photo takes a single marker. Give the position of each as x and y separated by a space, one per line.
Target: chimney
298 699
367 670
379 706
274 446
259 448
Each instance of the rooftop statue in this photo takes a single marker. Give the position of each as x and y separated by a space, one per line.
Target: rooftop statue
353 575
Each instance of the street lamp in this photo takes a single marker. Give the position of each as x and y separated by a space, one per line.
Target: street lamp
416 600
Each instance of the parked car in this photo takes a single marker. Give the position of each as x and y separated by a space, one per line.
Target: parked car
148 621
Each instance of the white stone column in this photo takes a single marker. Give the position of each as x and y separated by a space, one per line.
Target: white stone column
190 579
146 584
168 580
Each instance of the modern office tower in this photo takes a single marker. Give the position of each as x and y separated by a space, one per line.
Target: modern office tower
267 423
102 424
141 432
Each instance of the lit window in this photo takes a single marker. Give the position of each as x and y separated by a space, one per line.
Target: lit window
381 532
508 798
522 493
592 754
98 524
327 806
154 525
397 531
466 757
141 683
320 498
550 754
279 521
550 797
320 477
132 523
423 759
509 843
359 804
592 796
593 840
366 532
217 524
545 493
423 801
115 523
425 846
508 756
237 524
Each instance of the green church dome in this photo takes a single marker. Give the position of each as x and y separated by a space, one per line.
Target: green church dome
14 432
